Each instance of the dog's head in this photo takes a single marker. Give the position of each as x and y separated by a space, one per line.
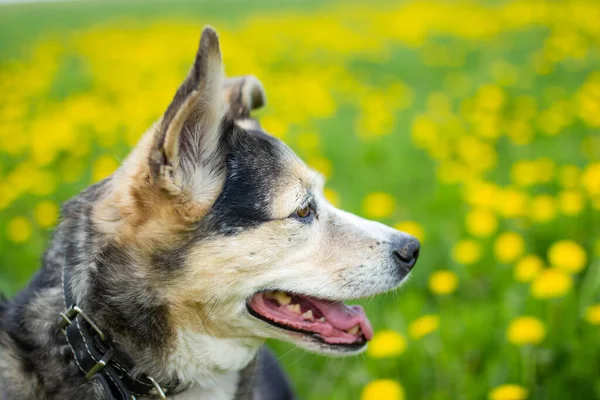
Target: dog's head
230 229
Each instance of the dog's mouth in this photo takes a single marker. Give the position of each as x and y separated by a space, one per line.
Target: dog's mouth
330 322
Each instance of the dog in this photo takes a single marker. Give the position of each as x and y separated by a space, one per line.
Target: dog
165 279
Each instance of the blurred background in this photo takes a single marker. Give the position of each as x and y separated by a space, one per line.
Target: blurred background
473 125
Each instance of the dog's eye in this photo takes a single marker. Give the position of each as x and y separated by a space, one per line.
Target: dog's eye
304 212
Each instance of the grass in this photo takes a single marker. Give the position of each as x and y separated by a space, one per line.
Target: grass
427 116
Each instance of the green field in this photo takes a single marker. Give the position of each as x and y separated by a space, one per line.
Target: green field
474 126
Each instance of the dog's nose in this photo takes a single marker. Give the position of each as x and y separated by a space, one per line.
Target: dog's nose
406 251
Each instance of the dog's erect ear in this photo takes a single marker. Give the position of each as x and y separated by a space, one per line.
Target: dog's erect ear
187 157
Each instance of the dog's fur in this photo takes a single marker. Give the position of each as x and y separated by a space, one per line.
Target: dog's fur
165 253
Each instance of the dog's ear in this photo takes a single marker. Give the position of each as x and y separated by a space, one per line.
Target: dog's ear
243 94
187 156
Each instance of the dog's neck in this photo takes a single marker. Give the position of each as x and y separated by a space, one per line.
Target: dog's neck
203 360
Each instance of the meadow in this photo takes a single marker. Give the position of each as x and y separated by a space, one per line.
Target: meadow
473 126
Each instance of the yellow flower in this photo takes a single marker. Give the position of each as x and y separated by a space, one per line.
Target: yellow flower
103 167
509 392
592 314
526 330
466 251
511 203
19 230
275 126
567 256
508 247
43 183
412 228
46 213
308 141
382 389
590 178
376 118
570 202
524 173
491 97
423 326
542 208
443 282
481 223
424 132
386 343
378 205
332 196
527 268
321 164
482 194
551 283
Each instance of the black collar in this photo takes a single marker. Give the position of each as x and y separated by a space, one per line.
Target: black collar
96 358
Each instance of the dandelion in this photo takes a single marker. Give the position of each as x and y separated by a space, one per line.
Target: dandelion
466 251
383 389
592 314
423 326
482 194
386 343
19 230
321 164
103 167
524 173
491 97
424 132
508 247
511 203
551 283
542 208
275 126
332 196
509 392
526 330
378 205
481 223
527 268
43 183
308 141
590 178
570 202
46 213
377 117
412 228
568 256
443 282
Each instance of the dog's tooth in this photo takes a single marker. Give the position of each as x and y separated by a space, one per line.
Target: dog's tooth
354 330
283 298
295 308
322 319
308 315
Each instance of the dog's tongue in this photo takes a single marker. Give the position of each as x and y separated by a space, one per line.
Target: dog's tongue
343 317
